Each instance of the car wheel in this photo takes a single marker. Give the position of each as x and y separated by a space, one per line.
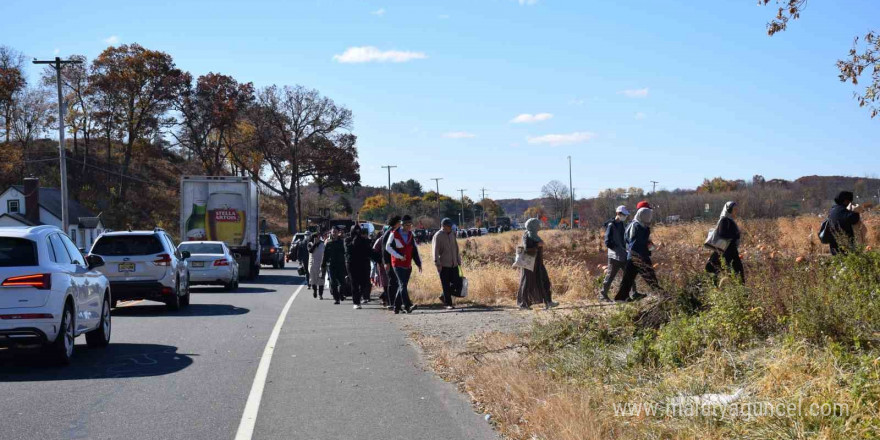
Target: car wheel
184 300
173 303
230 286
100 337
61 351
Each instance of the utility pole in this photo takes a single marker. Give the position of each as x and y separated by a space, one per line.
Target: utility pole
57 64
571 196
437 181
461 223
655 187
389 167
483 212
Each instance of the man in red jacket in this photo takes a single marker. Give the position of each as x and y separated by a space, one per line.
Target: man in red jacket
403 250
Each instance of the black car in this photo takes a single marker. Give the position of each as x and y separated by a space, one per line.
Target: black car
271 251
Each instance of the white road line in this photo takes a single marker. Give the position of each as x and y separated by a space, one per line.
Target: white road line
249 417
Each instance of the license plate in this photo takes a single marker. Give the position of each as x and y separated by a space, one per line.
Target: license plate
198 264
126 267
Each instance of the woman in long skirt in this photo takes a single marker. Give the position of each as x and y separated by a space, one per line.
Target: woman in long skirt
534 285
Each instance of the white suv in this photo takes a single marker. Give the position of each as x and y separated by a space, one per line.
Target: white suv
50 293
144 265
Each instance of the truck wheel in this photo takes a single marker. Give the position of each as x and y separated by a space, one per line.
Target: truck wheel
61 350
100 337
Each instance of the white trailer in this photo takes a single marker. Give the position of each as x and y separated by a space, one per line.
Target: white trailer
223 208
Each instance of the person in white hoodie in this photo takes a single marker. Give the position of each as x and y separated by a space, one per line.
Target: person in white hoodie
316 257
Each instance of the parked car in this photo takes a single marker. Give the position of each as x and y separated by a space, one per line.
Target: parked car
50 293
144 265
271 251
210 263
293 252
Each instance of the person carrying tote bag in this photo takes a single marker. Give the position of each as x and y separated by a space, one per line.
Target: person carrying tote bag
724 242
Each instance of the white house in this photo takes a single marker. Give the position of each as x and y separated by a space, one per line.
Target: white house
30 205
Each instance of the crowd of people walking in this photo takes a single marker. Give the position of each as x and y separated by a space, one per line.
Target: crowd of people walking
352 262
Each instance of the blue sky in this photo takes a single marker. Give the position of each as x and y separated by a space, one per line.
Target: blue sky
638 90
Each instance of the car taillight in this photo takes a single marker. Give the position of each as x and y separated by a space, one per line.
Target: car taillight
221 263
163 260
39 281
271 250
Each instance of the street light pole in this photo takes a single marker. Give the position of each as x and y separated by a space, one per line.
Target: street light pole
437 181
57 64
389 167
462 207
571 196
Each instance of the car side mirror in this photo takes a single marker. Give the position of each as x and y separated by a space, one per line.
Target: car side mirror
94 261
185 254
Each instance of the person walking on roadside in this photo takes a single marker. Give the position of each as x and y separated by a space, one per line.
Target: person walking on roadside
638 256
727 229
392 285
616 244
404 251
448 261
334 265
315 249
357 260
302 254
842 218
534 285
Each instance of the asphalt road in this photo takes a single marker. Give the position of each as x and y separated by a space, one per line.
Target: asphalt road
336 373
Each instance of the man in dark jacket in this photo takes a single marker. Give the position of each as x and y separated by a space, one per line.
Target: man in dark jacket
390 291
302 250
614 241
638 257
841 220
357 259
334 265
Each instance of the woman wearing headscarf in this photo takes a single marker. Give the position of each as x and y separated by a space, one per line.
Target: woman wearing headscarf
316 258
638 256
728 230
534 285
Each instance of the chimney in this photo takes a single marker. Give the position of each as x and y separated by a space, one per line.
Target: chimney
32 199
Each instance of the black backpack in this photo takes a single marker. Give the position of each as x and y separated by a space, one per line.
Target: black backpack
826 235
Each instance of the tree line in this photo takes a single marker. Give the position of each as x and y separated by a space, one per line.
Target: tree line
132 106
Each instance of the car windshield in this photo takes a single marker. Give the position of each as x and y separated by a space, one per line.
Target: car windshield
201 248
128 245
16 252
265 240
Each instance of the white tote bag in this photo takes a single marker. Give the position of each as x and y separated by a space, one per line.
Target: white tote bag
716 243
524 260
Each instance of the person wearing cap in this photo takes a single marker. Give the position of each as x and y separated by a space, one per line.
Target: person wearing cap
448 260
638 256
728 230
404 252
842 218
614 241
643 204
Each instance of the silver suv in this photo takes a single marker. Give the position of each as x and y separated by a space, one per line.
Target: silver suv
144 265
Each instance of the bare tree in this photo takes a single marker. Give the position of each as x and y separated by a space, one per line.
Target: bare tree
12 81
75 84
557 194
32 114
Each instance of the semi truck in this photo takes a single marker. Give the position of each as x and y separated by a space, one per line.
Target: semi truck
227 209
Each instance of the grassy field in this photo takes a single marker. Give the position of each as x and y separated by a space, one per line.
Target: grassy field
795 347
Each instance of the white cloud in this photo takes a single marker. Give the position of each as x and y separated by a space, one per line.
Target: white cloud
635 93
367 54
527 118
56 51
443 17
577 101
528 2
112 40
562 139
459 135
379 12
641 115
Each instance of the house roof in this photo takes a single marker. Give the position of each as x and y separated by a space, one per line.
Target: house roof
19 218
89 222
50 200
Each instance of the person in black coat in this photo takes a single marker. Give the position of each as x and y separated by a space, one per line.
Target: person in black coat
728 230
638 256
333 264
841 221
357 260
